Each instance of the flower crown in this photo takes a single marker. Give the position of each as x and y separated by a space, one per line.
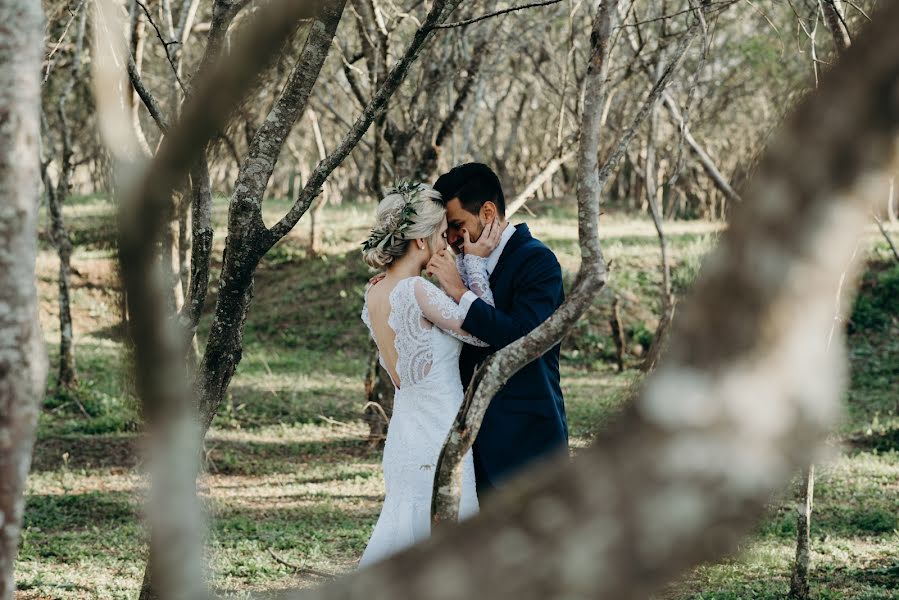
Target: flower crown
395 225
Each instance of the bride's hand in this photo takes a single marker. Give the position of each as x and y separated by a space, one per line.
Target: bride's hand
376 279
488 241
443 266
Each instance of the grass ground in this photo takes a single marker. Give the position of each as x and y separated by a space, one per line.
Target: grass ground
290 481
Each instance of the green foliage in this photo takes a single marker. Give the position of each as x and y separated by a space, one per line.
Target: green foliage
641 334
89 408
877 305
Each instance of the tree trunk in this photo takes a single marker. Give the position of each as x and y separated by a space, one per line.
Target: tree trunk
184 241
799 588
651 176
136 47
893 202
248 238
799 579
56 197
171 255
835 24
379 400
59 236
23 364
320 203
66 375
617 335
174 514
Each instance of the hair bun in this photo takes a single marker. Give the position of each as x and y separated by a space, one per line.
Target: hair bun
376 258
408 211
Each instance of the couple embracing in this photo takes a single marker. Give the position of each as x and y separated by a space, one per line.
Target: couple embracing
497 283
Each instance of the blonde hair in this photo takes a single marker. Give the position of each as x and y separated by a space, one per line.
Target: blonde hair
407 212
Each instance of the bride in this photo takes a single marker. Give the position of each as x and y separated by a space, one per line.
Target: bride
417 328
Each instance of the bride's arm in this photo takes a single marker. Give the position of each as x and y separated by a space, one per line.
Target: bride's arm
474 260
442 311
462 268
478 281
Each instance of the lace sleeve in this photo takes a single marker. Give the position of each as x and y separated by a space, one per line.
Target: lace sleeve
442 311
462 268
477 280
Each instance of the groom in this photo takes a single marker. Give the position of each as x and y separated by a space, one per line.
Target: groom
526 419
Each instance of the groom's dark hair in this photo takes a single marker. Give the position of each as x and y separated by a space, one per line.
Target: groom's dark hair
473 184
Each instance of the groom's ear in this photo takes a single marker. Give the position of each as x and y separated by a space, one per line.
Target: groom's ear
488 211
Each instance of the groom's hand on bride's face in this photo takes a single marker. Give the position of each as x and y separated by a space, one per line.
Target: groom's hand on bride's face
443 266
486 243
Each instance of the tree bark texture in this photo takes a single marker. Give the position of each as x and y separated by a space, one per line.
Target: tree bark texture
799 585
23 364
617 334
841 40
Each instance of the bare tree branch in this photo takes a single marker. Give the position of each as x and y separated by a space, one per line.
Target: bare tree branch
146 96
376 105
165 45
548 171
886 236
705 160
495 14
62 37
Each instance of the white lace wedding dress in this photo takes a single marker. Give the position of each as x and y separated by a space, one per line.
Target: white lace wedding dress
429 337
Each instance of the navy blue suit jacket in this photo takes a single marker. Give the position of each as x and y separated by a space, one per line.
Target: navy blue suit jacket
526 419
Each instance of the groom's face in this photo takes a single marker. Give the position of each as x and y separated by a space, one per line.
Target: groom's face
457 219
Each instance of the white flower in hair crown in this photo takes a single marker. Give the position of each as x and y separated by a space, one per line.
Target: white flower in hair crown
395 226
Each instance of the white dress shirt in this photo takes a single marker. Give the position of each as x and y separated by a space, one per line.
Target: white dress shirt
492 259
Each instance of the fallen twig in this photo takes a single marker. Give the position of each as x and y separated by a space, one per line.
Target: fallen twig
300 568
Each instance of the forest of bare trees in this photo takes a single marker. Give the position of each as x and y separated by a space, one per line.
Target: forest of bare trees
776 119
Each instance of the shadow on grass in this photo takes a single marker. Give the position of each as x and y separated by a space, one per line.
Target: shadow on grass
883 573
68 512
52 453
316 534
874 516
255 406
348 475
882 441
87 529
876 580
227 457
115 332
